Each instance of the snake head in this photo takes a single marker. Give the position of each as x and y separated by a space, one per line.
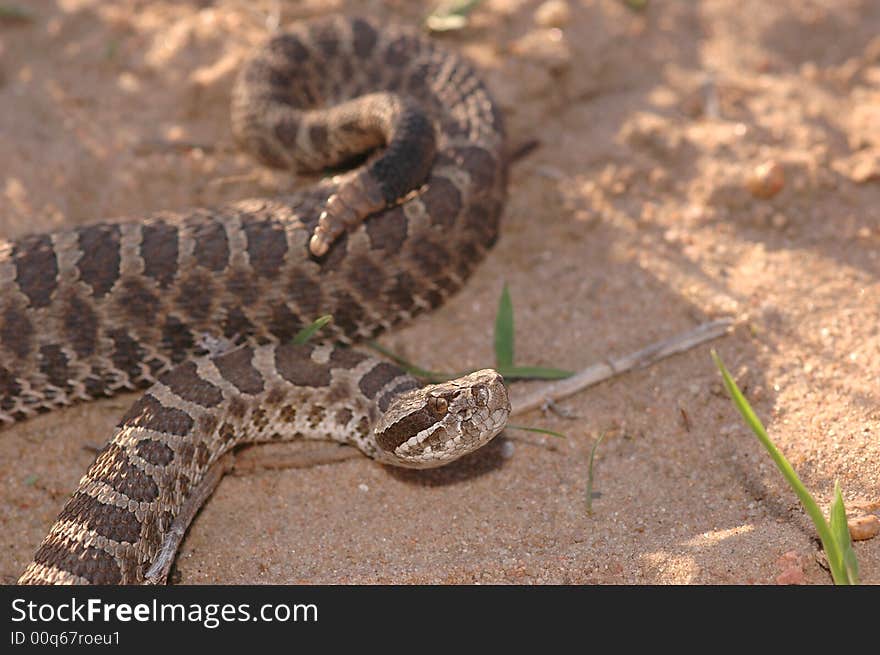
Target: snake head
439 423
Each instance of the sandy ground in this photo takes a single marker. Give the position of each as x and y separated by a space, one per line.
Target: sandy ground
632 221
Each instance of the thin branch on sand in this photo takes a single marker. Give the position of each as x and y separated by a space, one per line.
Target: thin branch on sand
611 368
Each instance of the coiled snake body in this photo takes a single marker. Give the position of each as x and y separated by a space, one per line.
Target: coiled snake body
123 305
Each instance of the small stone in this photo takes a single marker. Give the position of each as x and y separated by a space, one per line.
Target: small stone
779 221
872 51
547 47
792 569
553 13
866 168
809 70
864 527
654 134
363 487
790 576
507 449
766 180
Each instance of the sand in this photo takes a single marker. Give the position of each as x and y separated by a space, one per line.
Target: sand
636 217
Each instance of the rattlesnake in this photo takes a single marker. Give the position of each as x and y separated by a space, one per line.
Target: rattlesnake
126 304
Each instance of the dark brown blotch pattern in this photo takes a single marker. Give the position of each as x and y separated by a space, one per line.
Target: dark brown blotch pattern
36 268
316 415
81 326
442 201
237 369
185 381
366 277
266 246
154 452
288 46
207 424
389 396
364 37
150 414
305 292
99 264
259 419
237 408
402 292
93 564
388 230
159 250
374 381
16 332
411 424
347 358
237 325
349 314
283 323
177 340
429 256
114 468
203 454
9 389
343 416
109 521
211 249
227 433
136 301
54 365
196 296
294 363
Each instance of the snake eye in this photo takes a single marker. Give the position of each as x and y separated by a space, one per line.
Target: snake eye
437 405
480 395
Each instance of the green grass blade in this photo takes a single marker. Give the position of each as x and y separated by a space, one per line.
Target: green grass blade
590 473
450 15
539 430
309 331
829 542
533 373
13 14
840 530
504 331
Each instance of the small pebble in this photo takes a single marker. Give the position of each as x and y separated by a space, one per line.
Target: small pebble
507 449
779 221
546 47
363 487
792 569
866 169
553 13
864 527
766 180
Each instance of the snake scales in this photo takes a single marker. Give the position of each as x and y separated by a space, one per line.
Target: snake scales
123 305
